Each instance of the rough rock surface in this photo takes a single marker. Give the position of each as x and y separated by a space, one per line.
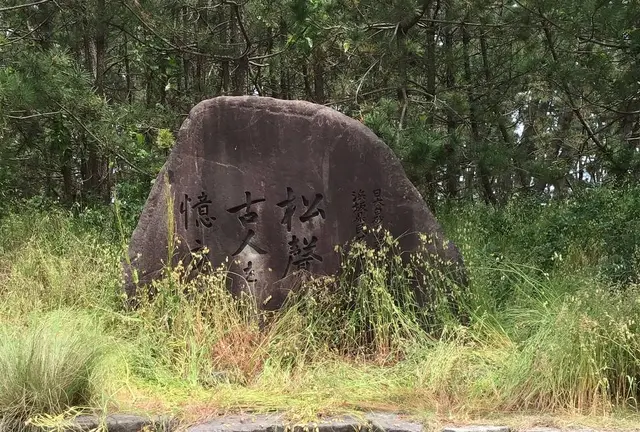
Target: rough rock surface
275 186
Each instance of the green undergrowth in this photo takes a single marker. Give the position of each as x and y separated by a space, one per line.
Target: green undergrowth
552 324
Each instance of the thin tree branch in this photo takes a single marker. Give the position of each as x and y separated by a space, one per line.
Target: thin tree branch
572 105
12 117
10 8
169 43
136 38
18 39
603 43
407 24
266 56
434 99
471 24
350 98
101 142
609 108
405 106
364 76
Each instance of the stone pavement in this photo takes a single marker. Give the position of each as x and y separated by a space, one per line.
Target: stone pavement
373 422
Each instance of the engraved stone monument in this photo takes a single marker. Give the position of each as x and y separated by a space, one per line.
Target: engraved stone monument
274 186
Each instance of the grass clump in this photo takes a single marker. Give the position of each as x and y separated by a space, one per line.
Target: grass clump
578 350
374 308
195 330
50 366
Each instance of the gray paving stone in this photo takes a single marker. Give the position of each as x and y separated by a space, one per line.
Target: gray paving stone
384 422
375 422
241 423
335 424
542 429
123 423
554 429
372 422
476 429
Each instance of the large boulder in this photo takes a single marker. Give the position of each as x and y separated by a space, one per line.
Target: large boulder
275 186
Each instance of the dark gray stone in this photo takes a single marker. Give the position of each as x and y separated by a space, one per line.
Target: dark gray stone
275 186
384 422
477 429
542 429
335 424
241 423
124 423
275 423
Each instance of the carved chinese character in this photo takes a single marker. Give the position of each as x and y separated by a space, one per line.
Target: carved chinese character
359 210
185 210
199 247
248 216
313 209
247 242
202 211
377 207
249 273
202 208
289 208
301 257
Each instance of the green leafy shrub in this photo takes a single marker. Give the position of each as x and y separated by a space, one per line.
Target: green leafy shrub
596 232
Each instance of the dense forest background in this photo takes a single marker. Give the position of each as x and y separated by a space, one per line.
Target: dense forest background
483 100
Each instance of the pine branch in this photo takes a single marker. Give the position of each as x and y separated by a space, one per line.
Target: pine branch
27 117
10 8
101 142
36 28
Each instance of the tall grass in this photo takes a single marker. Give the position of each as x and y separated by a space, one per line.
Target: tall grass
53 364
550 327
51 260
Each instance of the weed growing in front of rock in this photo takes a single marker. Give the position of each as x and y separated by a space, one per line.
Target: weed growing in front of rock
379 304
